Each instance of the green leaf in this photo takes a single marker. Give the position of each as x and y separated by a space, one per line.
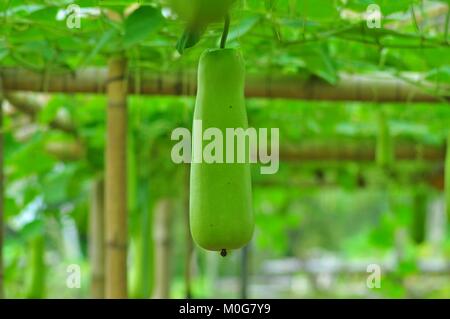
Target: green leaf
319 63
47 14
189 38
3 51
323 10
243 27
141 23
56 185
33 228
440 75
104 40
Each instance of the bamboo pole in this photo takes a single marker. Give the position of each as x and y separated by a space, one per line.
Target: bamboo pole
360 152
244 271
324 152
162 237
144 268
37 269
189 245
148 253
96 240
379 87
364 151
115 187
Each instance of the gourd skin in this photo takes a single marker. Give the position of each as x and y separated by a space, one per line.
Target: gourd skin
384 153
419 215
221 215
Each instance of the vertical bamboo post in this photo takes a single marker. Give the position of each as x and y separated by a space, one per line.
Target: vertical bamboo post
148 253
189 243
162 238
419 214
116 190
37 268
96 240
2 206
244 272
143 279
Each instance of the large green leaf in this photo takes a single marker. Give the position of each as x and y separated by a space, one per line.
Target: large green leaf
440 75
243 27
318 62
325 10
189 38
141 24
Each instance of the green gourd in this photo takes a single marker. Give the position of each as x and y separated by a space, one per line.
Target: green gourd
37 270
419 214
384 150
221 216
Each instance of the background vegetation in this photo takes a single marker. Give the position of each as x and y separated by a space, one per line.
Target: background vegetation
361 181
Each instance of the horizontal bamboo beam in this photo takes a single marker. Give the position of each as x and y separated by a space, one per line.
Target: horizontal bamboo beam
373 87
360 152
334 151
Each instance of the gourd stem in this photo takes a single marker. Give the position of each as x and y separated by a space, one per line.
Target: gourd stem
226 28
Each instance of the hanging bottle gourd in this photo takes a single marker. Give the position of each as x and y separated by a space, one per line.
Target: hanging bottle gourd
419 214
384 150
221 213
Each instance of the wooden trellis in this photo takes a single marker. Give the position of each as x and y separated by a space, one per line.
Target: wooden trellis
372 87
